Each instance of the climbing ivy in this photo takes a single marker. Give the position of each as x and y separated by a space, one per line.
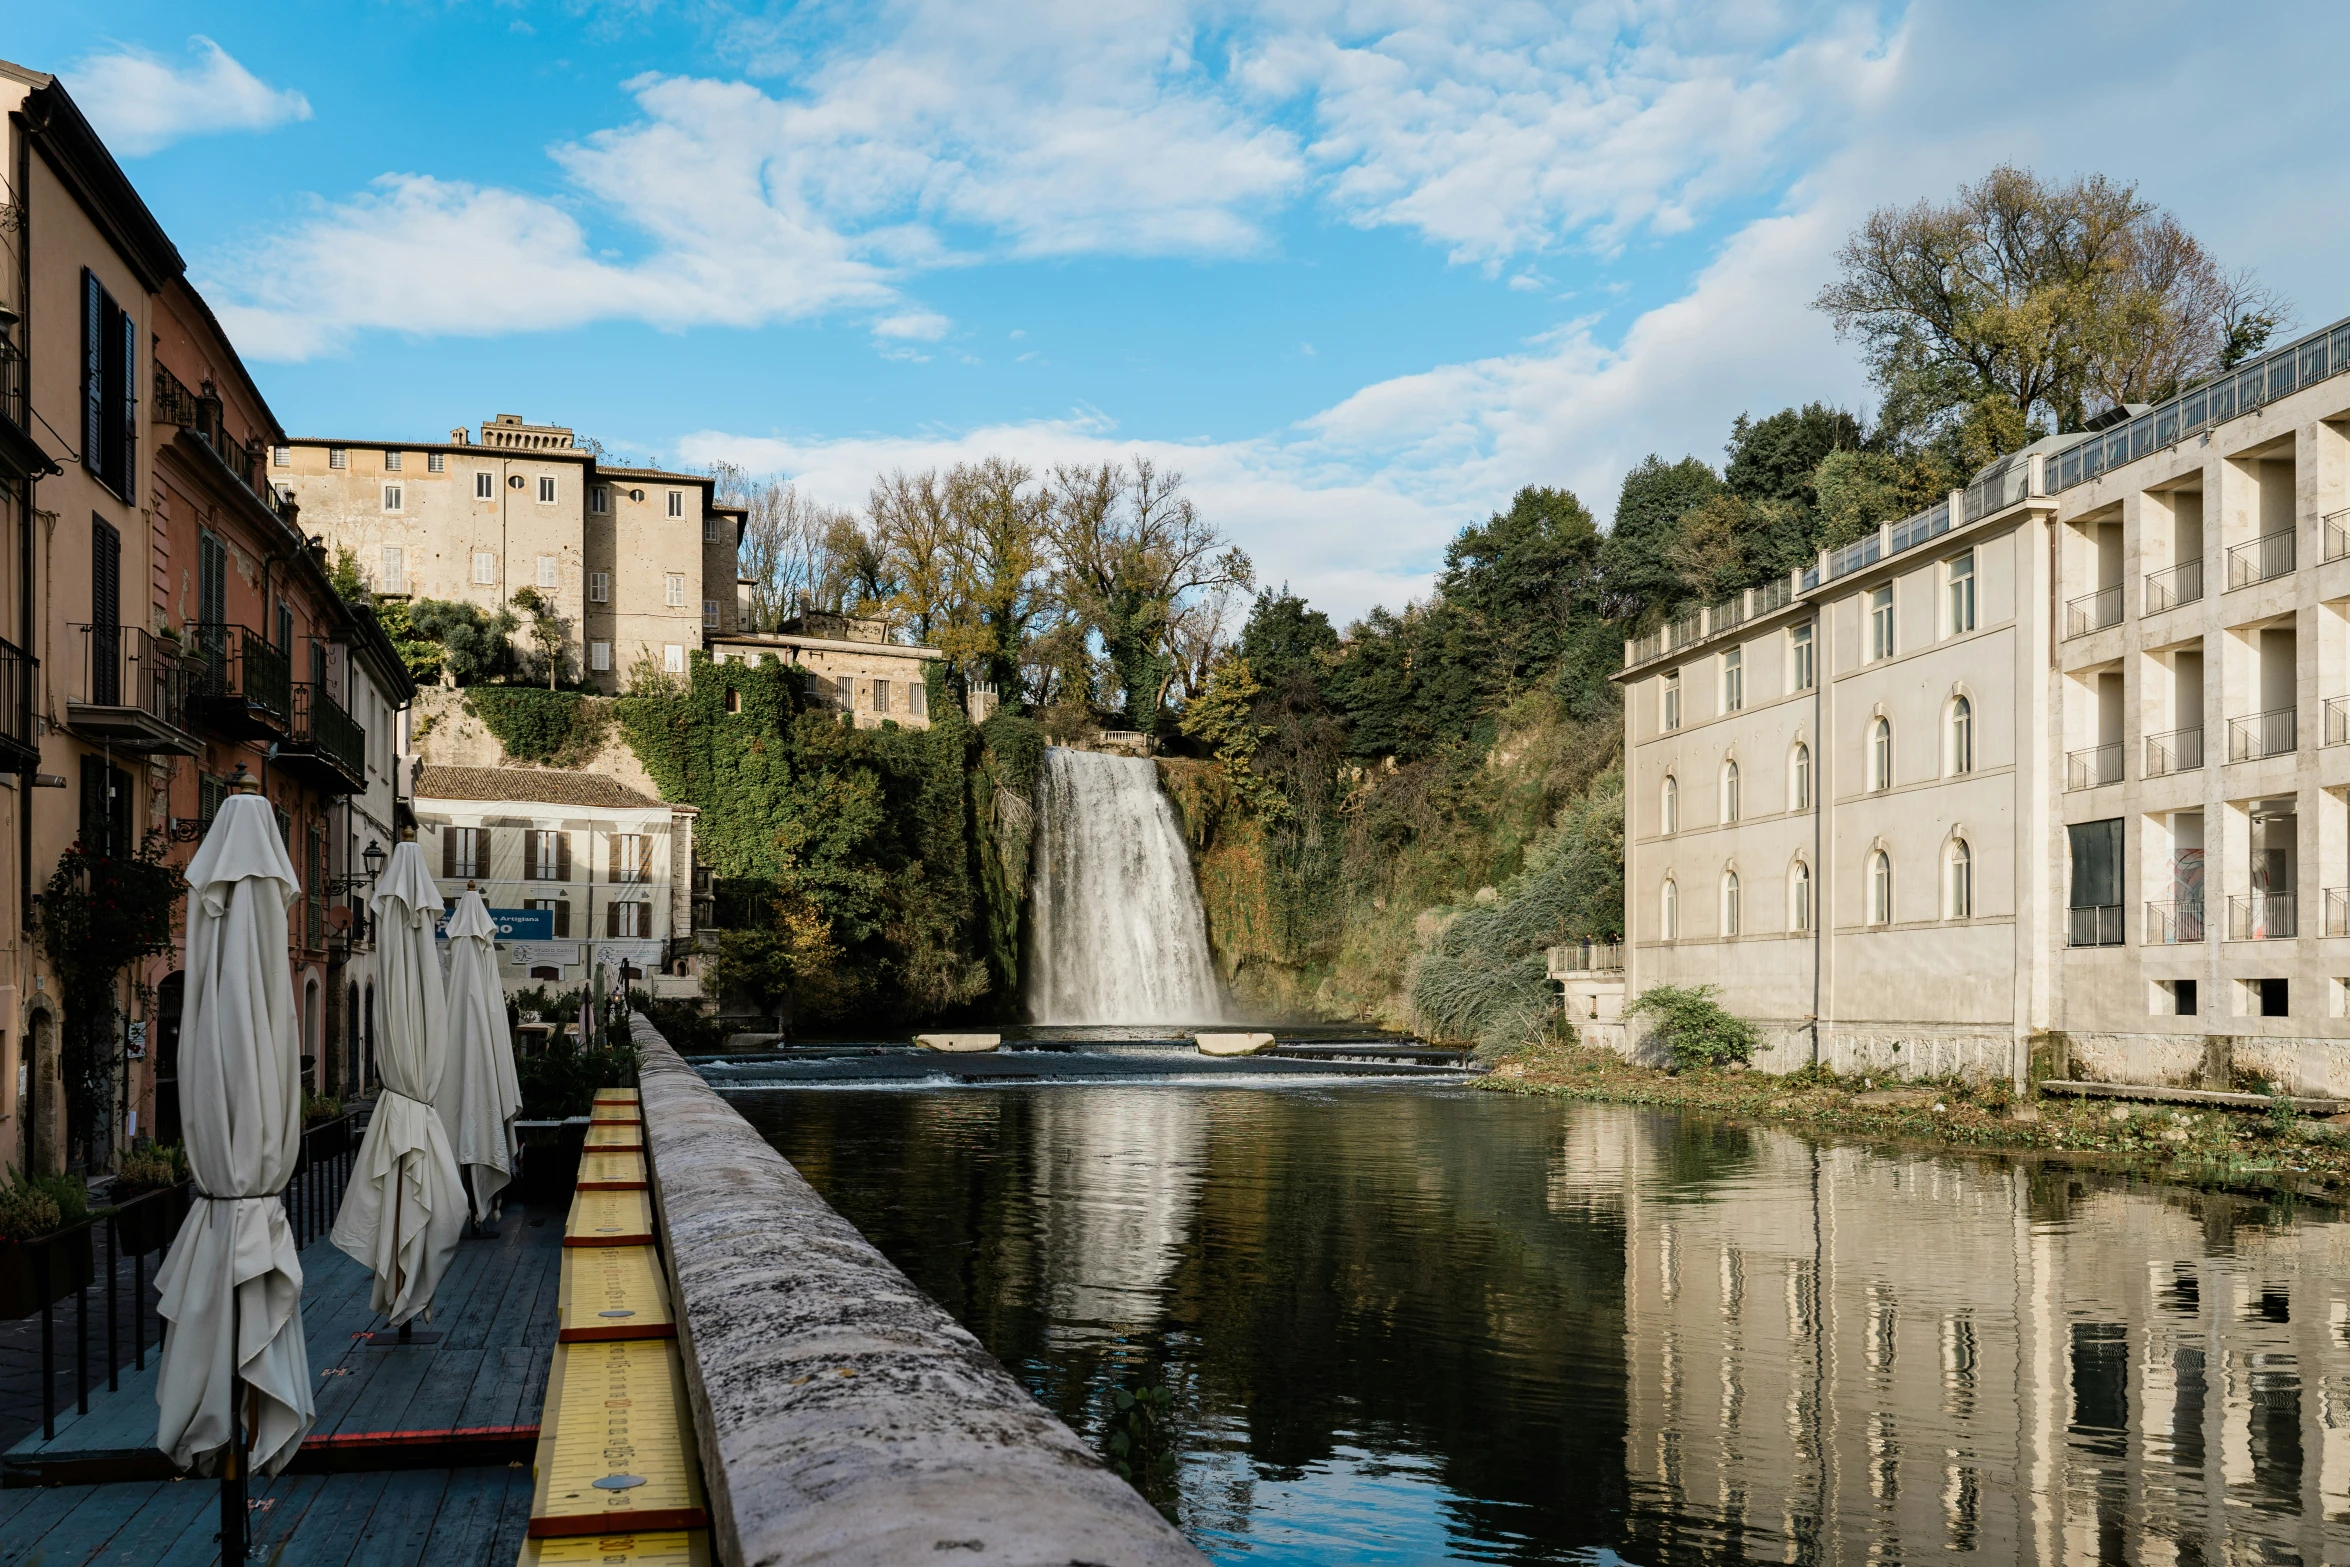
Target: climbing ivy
561 728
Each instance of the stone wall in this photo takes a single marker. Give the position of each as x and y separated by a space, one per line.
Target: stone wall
843 1417
443 734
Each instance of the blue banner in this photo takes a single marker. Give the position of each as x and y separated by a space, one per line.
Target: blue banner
524 924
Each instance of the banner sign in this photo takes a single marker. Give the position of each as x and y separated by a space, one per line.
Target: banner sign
524 924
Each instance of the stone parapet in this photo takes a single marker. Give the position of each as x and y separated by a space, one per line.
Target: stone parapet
843 1417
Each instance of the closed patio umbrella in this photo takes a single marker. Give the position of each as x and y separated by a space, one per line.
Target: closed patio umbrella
404 1208
480 1095
232 1286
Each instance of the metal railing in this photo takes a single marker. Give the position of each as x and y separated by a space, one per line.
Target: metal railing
2181 584
2174 922
2097 925
2337 720
2338 911
2263 916
2093 611
17 668
320 723
2263 734
2094 767
2269 556
124 666
2005 483
2335 537
2303 362
237 661
204 414
2180 751
1588 957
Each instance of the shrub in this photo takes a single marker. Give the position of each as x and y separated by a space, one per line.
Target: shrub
320 1107
561 728
562 1079
1694 1027
150 1170
474 644
35 1205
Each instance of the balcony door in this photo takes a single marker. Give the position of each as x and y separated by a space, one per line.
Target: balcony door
105 614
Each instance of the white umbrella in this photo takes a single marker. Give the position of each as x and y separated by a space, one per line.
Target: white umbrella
232 1286
480 1095
404 1208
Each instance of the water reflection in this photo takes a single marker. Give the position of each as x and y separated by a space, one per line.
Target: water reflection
1412 1325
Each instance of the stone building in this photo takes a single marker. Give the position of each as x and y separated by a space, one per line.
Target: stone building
637 562
2059 763
852 663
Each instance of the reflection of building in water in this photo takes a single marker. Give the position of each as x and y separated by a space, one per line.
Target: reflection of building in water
1117 1186
1848 1355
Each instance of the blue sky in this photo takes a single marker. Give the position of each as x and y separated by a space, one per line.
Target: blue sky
1358 269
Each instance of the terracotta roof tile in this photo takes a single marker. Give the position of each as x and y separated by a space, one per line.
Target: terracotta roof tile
537 785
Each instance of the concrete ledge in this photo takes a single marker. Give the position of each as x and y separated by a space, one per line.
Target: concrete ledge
845 1419
960 1044
1233 1044
2160 1094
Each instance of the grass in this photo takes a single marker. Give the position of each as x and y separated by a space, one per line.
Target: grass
2252 1150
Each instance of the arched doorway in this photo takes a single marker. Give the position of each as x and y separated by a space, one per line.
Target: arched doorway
170 998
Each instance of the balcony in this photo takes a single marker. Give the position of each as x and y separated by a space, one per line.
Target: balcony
239 685
2094 768
2098 925
2337 534
2174 923
2182 584
19 751
2337 716
130 693
2180 751
201 414
2263 916
2093 612
1588 957
2269 556
2338 911
324 744
2263 734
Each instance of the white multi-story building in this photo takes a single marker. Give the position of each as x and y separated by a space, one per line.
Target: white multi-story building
2058 764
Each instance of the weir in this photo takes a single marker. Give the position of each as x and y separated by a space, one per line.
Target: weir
1117 935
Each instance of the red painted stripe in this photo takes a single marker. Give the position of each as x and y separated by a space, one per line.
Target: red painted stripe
619 1523
611 1186
617 1330
348 1439
607 1240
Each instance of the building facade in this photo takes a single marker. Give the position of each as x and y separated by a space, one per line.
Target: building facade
2059 765
636 563
851 664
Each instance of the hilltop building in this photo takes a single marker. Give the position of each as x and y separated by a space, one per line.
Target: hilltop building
851 663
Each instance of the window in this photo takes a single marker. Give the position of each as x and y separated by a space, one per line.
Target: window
110 389
1961 572
436 462
1881 754
1799 778
1730 791
676 590
285 627
561 909
485 567
548 571
918 699
625 856
550 855
599 499
485 486
281 456
673 658
546 490
677 503
391 462
710 529
1671 814
1799 897
464 852
1729 903
846 689
881 696
1962 736
1880 888
1672 699
1801 642
628 921
391 497
1881 622
1733 680
600 657
337 458
1962 880
599 587
1669 912
710 613
395 569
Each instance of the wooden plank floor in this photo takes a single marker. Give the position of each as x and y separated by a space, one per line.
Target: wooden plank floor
495 1312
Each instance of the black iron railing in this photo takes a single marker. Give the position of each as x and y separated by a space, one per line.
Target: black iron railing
123 666
321 724
239 662
17 668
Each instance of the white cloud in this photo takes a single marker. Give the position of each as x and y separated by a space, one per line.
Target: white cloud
141 102
921 325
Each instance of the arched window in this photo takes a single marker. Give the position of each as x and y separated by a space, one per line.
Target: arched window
1669 912
1729 791
1799 779
1962 880
1962 736
1799 897
1881 754
1880 888
1672 805
1729 903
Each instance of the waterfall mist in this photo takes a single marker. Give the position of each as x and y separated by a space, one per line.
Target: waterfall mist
1117 935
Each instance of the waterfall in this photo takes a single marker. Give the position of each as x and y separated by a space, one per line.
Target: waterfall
1116 930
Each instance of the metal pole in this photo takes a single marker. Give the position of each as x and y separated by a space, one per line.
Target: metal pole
81 1344
113 1341
139 1309
232 1471
48 1347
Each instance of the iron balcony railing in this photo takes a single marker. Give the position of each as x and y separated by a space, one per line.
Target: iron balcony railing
2336 536
2180 751
321 725
12 386
2094 767
2174 922
2097 925
2337 718
17 668
2269 556
2181 584
125 667
2303 362
1587 957
2263 734
2338 911
2093 611
2263 916
202 413
239 662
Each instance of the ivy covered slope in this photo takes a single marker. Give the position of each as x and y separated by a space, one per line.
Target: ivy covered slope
867 873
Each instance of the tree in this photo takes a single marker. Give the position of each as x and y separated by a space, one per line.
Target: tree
546 630
1640 583
914 536
790 550
474 644
1001 568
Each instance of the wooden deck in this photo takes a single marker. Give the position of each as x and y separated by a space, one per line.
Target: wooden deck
421 1451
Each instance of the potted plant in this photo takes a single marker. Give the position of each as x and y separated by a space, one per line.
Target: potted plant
44 1242
151 1199
326 1131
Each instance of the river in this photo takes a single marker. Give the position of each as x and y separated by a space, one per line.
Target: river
1417 1324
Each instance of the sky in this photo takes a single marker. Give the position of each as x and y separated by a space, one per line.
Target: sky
1357 269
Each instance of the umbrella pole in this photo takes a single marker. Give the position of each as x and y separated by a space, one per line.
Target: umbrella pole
232 1470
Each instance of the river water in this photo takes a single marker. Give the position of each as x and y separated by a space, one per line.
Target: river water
1413 1324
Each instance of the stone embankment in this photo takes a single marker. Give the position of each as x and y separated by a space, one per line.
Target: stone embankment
843 1417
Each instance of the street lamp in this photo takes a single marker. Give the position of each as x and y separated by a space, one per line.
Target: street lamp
373 858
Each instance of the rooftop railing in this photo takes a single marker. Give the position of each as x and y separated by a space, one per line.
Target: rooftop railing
2303 362
2003 484
2264 558
2181 584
